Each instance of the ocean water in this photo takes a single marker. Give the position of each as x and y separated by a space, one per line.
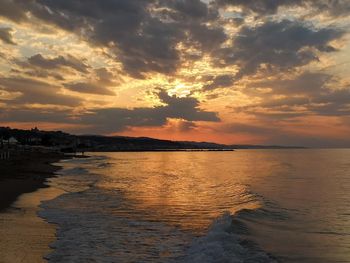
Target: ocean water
242 206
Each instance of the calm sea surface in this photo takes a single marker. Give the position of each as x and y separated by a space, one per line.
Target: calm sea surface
242 206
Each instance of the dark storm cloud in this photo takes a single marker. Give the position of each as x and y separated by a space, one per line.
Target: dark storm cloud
105 77
46 67
117 119
265 7
307 94
100 85
207 38
41 67
6 36
58 62
334 8
143 34
41 73
221 81
341 96
35 115
90 88
261 6
332 103
307 83
186 10
184 108
34 91
13 10
277 45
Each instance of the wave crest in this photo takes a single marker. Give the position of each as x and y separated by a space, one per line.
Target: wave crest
222 243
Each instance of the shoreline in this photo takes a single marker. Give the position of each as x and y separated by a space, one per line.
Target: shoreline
25 173
24 185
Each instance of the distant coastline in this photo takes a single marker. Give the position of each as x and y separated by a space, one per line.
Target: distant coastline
57 141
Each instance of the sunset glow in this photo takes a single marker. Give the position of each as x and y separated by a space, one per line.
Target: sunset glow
227 71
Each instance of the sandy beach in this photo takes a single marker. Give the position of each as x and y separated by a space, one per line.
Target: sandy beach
25 173
25 237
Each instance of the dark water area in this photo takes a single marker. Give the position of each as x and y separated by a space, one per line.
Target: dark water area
307 194
243 206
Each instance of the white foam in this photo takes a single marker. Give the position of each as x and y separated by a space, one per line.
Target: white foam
221 244
90 233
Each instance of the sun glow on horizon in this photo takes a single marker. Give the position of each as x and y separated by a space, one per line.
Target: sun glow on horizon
232 71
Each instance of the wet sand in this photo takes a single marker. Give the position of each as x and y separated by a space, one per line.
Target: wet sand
25 173
25 237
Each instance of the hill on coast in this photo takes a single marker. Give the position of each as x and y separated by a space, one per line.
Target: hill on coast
71 142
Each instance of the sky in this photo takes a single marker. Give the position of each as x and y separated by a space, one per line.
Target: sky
226 71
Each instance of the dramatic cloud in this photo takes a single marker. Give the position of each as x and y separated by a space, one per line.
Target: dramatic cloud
142 34
308 83
6 36
34 91
307 94
109 120
29 115
283 45
338 7
13 9
117 119
90 88
57 62
101 83
221 81
333 103
105 77
253 63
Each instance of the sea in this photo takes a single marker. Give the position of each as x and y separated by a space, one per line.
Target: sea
289 205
